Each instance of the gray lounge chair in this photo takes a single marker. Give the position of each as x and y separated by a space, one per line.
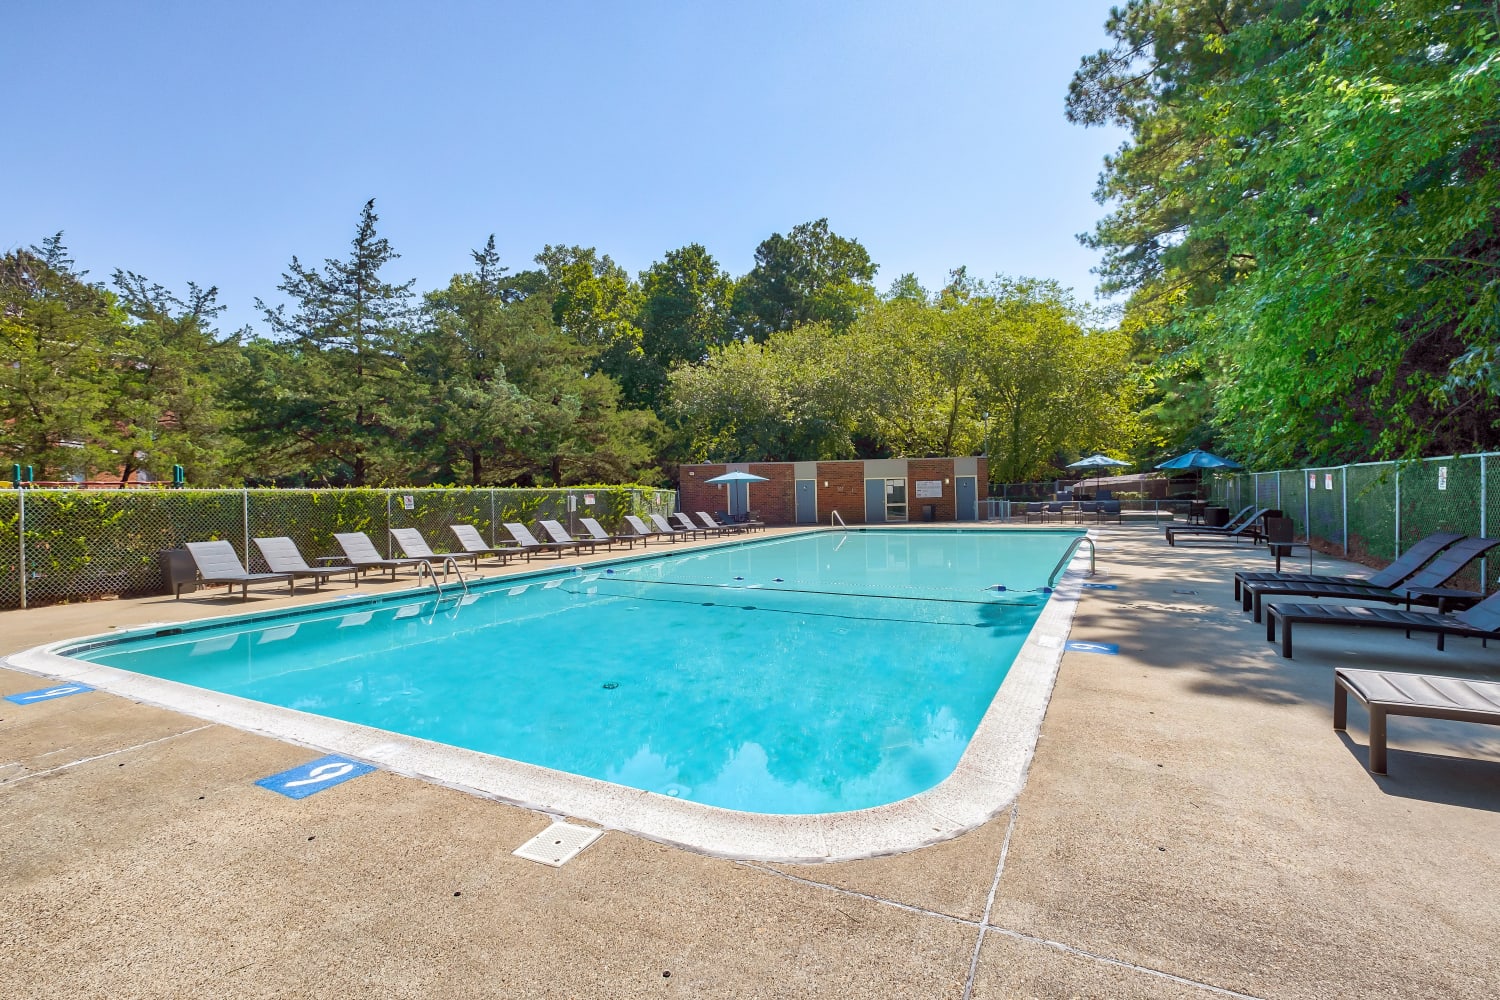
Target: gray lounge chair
217 562
707 520
363 554
597 532
646 534
282 556
559 534
474 544
1422 695
684 523
1482 621
414 545
666 529
1407 564
530 545
1422 587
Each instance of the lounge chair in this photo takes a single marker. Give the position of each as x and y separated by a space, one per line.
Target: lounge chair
218 563
474 544
282 556
597 532
1245 524
1482 621
1408 563
1422 695
559 534
530 545
414 545
1109 509
1421 587
666 529
646 534
363 555
707 520
688 524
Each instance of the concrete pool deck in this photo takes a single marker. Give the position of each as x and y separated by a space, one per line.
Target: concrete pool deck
1191 826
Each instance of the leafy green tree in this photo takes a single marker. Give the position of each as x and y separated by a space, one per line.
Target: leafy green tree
685 303
811 275
329 395
595 303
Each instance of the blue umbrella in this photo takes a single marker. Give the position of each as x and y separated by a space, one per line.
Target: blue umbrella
1199 459
738 477
1097 462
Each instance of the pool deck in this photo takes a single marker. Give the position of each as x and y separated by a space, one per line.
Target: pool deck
1191 827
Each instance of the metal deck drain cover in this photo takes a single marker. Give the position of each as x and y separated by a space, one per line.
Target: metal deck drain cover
558 844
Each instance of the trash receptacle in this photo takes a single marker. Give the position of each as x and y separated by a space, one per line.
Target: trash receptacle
178 571
1216 517
929 512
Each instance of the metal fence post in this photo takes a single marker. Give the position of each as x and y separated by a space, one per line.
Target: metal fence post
1484 528
1344 486
386 537
245 494
21 534
1398 510
1307 508
492 517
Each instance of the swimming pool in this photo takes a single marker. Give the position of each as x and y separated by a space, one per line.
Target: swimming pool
801 675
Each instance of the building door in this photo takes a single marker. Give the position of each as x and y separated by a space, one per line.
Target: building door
874 501
895 499
964 495
739 498
807 501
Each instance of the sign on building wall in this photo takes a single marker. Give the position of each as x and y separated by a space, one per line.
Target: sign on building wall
927 488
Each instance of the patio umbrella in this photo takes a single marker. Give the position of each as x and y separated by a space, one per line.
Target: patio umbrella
1199 459
738 477
1098 462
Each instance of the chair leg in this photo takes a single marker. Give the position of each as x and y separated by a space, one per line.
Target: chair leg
1340 705
1286 638
1377 740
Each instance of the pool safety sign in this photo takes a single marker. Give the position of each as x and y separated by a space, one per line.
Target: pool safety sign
314 776
1106 648
929 488
47 694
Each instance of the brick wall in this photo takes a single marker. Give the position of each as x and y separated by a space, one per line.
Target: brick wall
844 493
939 469
693 494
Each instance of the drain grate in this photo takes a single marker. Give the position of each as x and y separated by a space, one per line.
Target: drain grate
558 844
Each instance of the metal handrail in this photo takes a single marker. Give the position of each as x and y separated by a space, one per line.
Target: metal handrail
450 561
426 567
836 516
1068 557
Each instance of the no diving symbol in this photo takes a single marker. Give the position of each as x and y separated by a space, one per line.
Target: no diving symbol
1107 648
47 694
314 776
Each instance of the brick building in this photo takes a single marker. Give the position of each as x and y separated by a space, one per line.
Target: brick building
866 491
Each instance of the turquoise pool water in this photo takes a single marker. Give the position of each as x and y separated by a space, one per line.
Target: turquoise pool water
802 674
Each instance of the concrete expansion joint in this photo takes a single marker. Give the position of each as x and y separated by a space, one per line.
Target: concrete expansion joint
101 756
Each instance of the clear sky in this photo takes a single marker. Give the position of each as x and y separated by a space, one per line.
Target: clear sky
211 142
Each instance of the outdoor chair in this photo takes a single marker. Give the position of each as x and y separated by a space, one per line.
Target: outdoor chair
597 532
1246 524
282 556
688 524
1422 587
1408 563
363 554
473 544
1482 621
708 521
414 545
530 545
559 534
662 526
1107 510
1035 512
217 562
1425 696
646 533
1054 509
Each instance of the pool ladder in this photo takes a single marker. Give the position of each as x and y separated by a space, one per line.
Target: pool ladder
837 517
425 566
1068 556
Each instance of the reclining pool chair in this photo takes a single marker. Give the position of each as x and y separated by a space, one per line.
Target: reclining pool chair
686 523
1409 562
363 554
530 545
474 544
646 533
597 532
414 545
1245 524
666 529
217 562
283 556
1448 564
1482 621
707 520
559 534
1425 696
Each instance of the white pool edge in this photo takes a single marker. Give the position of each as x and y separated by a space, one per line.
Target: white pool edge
988 778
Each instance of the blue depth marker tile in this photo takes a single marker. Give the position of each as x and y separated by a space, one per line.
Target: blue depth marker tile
314 776
1100 586
1107 648
47 694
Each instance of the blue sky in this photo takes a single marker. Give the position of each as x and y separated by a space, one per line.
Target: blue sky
211 142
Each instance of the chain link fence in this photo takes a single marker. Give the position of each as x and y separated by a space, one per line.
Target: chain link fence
72 545
1374 511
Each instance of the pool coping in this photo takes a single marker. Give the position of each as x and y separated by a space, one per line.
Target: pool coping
988 777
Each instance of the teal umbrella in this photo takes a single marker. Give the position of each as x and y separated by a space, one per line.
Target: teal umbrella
1199 459
1099 462
729 478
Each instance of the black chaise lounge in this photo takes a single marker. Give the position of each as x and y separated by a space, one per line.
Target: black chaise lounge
1422 587
1246 516
1408 563
1482 621
1425 696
